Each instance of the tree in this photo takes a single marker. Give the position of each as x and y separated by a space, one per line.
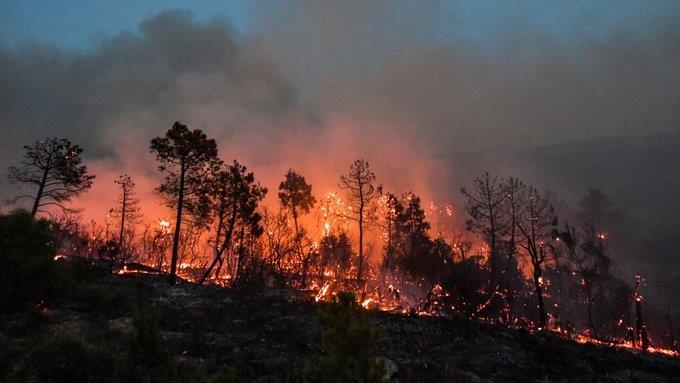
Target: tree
53 166
186 157
596 207
127 206
389 207
536 223
295 195
486 216
515 193
412 240
234 196
332 214
335 253
586 251
358 183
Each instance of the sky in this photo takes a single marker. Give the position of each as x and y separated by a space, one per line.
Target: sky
566 95
81 25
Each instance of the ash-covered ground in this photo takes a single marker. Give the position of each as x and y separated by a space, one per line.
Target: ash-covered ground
136 327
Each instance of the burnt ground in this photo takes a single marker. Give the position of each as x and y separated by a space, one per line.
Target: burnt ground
211 333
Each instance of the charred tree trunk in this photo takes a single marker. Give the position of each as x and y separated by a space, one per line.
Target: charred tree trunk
38 196
122 219
640 325
360 267
178 225
225 244
671 333
542 315
591 321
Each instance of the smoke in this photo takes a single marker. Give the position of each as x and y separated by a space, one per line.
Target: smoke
318 84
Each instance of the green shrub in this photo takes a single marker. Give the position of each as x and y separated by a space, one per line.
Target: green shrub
27 249
146 348
348 341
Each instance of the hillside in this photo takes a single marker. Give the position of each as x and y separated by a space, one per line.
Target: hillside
135 327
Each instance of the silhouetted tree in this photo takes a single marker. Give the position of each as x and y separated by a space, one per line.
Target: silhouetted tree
412 240
358 182
335 253
186 157
596 207
53 166
234 195
280 243
127 206
536 224
486 216
295 195
515 200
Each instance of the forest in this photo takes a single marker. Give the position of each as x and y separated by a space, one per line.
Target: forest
514 262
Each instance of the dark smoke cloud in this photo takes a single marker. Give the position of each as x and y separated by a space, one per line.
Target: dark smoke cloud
599 112
318 84
374 58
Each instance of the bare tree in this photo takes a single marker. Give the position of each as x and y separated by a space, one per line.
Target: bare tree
515 193
536 224
127 206
186 157
280 240
332 214
358 183
53 166
486 216
295 195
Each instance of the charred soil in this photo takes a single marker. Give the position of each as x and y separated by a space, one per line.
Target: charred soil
136 327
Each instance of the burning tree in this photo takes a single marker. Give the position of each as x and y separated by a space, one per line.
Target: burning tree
296 197
487 217
186 157
335 255
536 223
279 239
586 252
53 166
156 242
332 214
358 182
388 211
412 240
515 200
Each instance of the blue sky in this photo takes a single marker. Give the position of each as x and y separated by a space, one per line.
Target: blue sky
81 24
78 24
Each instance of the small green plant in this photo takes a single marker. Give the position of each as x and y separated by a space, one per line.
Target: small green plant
145 347
348 341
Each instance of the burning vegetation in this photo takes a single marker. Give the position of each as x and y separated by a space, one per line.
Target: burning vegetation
511 263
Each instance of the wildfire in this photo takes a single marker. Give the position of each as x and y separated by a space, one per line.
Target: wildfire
323 292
